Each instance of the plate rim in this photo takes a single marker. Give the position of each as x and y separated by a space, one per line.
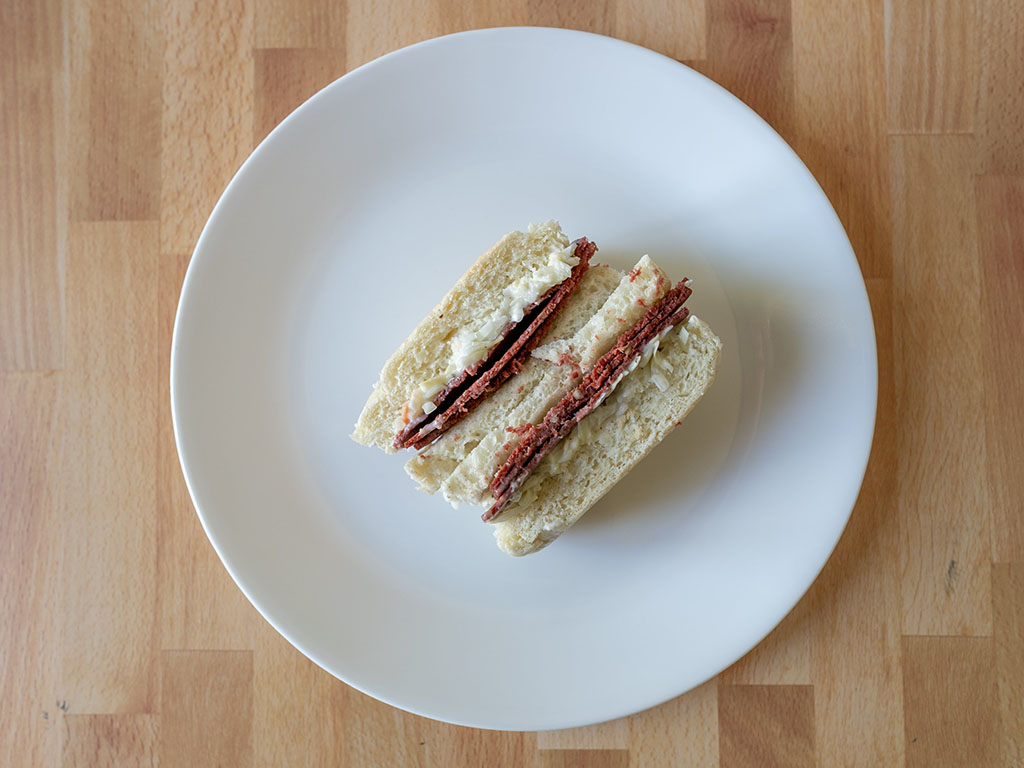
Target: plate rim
871 359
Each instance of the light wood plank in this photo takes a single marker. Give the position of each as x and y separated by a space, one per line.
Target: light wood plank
588 15
687 725
943 497
446 745
110 741
611 735
116 55
1000 120
456 15
854 606
207 111
583 758
676 28
32 191
1000 204
932 56
764 726
108 470
198 604
750 52
309 24
287 77
298 709
29 584
206 704
1008 631
375 27
949 692
840 129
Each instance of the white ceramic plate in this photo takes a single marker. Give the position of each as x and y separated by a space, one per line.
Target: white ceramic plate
340 233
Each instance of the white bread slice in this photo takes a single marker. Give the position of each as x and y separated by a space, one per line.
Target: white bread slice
621 431
425 354
431 467
638 290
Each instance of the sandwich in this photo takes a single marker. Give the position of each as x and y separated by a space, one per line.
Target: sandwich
539 381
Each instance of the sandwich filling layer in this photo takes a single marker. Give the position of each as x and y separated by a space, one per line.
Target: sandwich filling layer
597 384
456 398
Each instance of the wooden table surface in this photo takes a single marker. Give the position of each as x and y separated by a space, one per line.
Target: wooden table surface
122 639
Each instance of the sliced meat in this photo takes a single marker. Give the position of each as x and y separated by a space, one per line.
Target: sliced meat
541 438
469 388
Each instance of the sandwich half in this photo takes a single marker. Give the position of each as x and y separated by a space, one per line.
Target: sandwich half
539 381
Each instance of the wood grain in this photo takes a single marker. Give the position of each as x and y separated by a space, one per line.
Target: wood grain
676 28
578 758
312 24
297 719
108 465
374 27
588 15
1008 636
453 745
1000 140
945 553
949 693
123 641
750 52
110 741
29 583
766 726
611 735
116 59
1000 205
207 110
206 708
32 191
839 96
933 65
